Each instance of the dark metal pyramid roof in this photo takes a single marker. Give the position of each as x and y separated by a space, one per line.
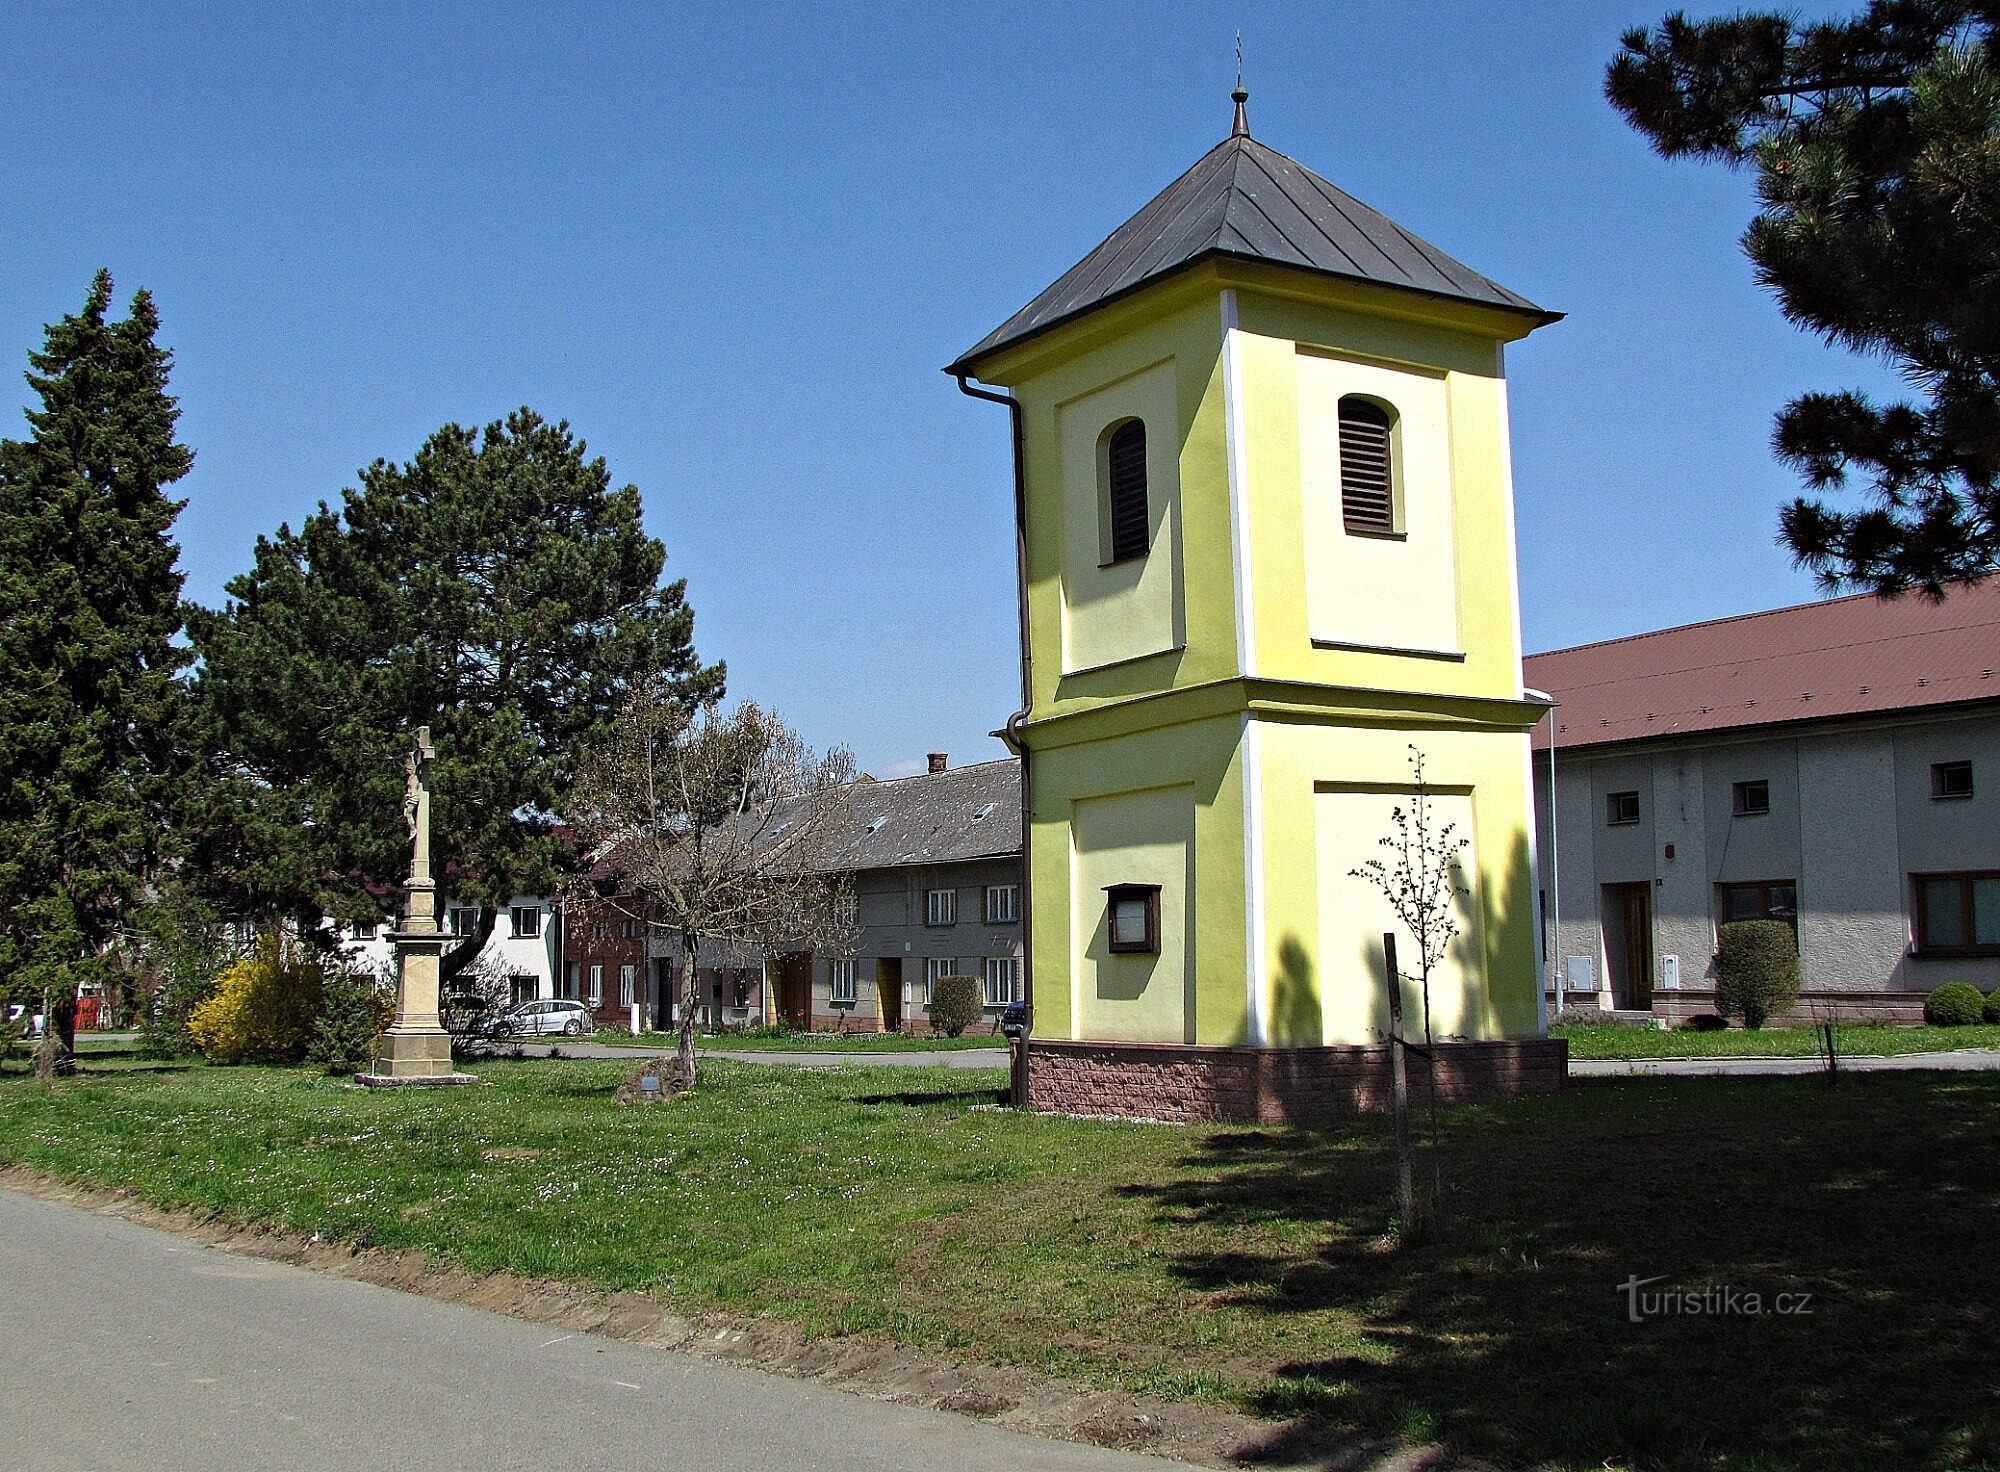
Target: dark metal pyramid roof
1250 202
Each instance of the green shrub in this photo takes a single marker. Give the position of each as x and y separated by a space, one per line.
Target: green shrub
1991 1011
956 1003
263 1007
353 1009
182 948
1955 1004
1756 970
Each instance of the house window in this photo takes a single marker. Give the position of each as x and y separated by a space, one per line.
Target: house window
1133 914
1128 522
1958 914
527 921
1367 469
1621 808
935 967
1003 903
846 908
626 976
464 920
1748 799
1773 899
840 978
596 985
575 980
364 930
1000 971
1951 779
941 907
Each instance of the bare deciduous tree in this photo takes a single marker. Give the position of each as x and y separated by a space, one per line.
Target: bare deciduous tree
1420 880
726 827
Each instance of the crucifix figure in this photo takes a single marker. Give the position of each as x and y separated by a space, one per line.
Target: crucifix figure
417 803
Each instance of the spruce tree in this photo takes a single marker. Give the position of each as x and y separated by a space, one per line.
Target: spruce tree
1876 146
89 609
495 588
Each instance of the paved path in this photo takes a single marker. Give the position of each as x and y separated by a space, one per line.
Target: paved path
1970 1061
824 1058
126 1349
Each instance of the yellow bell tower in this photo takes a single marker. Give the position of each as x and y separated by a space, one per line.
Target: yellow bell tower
1267 546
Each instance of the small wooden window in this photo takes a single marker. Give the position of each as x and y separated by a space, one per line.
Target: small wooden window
1133 914
1367 469
1621 808
941 907
1003 903
1773 899
1747 799
1125 491
1958 914
1951 779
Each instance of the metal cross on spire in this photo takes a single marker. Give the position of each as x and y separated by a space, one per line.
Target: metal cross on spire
1241 127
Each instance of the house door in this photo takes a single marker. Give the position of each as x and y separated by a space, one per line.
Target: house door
889 993
1628 945
795 976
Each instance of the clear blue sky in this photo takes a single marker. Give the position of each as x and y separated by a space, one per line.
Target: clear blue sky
733 246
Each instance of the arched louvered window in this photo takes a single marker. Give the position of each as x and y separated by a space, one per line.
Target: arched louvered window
1125 491
1367 471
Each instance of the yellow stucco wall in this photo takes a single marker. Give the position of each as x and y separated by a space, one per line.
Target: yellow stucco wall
1113 612
1327 793
1098 816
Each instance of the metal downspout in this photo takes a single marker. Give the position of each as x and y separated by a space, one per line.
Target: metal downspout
1019 1081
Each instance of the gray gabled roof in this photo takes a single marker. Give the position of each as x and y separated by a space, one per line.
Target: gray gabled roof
945 817
1250 202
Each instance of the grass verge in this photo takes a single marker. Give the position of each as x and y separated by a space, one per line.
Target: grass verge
1243 1265
1856 1040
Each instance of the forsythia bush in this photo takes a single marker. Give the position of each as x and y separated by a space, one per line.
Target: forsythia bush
262 1009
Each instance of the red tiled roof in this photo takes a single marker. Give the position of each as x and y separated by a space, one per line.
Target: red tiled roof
1841 657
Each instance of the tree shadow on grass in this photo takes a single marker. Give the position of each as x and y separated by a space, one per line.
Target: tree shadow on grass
1508 1335
917 1097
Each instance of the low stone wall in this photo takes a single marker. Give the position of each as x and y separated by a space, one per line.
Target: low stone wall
1275 1085
1901 1008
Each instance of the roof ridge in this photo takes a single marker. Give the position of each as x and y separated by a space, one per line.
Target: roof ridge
1705 623
998 761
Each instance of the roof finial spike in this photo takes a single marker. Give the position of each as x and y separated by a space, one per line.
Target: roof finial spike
1241 127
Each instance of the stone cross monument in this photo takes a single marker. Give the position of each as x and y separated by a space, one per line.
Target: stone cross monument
416 1049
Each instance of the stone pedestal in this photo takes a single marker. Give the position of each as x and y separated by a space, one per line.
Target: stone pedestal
415 1049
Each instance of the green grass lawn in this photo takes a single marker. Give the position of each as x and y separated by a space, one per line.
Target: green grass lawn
1247 1265
1770 1042
806 1042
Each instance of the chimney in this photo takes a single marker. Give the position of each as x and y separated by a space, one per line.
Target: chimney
938 762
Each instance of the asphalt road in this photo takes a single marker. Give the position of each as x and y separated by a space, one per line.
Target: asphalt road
123 1347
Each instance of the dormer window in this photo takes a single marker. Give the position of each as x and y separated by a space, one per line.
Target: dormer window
1127 519
1367 469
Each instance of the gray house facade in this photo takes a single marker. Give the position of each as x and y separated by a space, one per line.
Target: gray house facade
1835 766
936 866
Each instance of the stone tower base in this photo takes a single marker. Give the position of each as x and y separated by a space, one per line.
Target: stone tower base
1275 1085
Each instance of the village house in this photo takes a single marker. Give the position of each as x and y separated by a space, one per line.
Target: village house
1835 766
